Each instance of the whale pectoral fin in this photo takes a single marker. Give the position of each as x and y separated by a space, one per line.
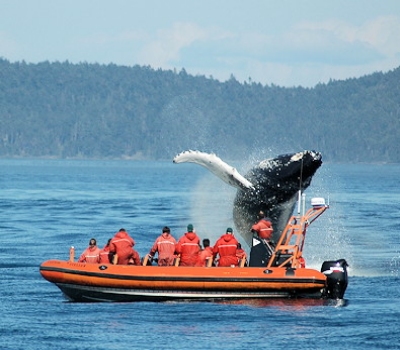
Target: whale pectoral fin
238 181
217 166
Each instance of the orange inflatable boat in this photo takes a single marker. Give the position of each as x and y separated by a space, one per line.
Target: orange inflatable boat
272 272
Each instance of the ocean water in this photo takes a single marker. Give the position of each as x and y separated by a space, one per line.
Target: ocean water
48 205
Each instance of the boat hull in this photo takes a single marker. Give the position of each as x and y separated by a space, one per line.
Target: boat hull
94 282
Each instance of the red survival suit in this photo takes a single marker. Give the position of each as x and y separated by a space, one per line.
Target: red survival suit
165 246
122 245
188 247
90 255
226 247
264 229
204 255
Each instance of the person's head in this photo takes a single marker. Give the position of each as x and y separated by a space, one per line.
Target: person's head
92 242
229 230
122 230
190 228
261 214
206 242
166 230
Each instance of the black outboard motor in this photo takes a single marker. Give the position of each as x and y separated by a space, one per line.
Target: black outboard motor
336 273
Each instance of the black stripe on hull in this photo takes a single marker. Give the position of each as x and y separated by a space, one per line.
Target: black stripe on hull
104 294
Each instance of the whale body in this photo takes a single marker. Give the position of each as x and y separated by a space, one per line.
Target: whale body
271 186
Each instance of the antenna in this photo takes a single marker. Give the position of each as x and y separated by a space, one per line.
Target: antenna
300 182
301 174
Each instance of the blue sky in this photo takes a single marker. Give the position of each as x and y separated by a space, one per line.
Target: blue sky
281 42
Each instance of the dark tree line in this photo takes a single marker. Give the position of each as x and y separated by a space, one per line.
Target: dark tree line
66 110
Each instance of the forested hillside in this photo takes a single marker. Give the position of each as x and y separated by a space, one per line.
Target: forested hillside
84 110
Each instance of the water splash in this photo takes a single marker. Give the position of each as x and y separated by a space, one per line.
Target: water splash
211 207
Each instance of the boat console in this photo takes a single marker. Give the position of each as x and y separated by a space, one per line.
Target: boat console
287 253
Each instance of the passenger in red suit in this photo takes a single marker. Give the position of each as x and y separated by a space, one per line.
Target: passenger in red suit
205 254
122 245
165 246
105 255
240 253
263 228
226 247
91 253
135 260
301 261
188 247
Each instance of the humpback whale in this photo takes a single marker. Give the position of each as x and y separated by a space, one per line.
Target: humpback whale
271 186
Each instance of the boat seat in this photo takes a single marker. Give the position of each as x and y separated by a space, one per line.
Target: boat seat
145 260
114 259
242 262
72 254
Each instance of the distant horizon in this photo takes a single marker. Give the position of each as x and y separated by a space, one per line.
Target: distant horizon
194 75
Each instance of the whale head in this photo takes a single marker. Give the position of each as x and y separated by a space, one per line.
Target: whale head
276 184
